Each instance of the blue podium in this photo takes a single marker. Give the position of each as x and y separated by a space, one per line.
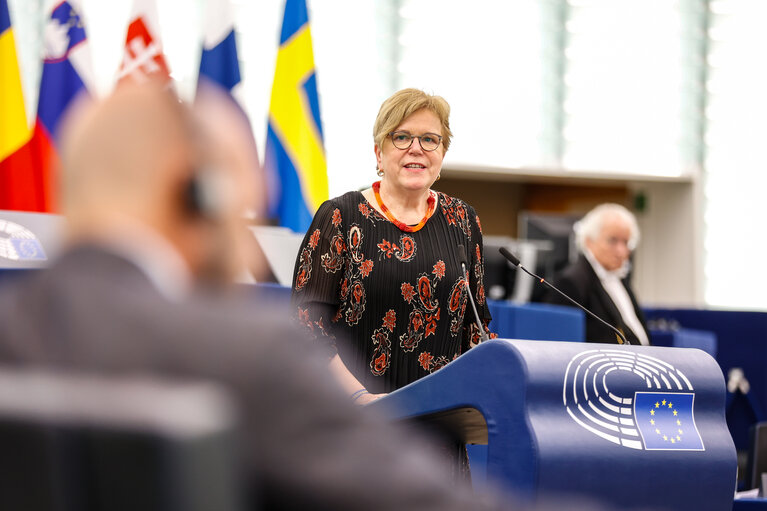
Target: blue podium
630 426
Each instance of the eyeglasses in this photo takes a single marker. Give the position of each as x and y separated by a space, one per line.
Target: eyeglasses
403 140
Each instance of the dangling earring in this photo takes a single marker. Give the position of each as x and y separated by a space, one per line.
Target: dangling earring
380 172
439 176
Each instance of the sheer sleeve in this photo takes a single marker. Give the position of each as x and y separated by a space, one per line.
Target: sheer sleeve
476 284
318 273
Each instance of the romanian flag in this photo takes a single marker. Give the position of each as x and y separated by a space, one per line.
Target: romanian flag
20 188
294 155
66 68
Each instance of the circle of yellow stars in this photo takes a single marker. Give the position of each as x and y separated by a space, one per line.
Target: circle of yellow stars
667 438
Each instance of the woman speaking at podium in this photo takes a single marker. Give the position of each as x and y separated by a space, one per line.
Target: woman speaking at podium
378 277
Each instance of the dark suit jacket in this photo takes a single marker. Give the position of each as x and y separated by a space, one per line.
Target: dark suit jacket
580 282
306 446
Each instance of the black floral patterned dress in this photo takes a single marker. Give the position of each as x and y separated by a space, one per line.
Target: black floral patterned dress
392 304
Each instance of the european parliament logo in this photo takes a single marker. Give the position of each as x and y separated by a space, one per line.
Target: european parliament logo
19 244
633 400
666 421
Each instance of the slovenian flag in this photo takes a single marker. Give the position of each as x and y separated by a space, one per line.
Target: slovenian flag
294 155
19 187
66 70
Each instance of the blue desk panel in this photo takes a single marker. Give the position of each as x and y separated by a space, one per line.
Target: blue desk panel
536 321
750 505
686 338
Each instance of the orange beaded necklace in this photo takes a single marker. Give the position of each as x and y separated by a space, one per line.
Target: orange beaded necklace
430 206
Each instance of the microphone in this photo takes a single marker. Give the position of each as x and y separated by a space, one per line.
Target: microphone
513 260
462 256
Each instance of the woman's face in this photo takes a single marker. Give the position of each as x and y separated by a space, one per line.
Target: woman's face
412 169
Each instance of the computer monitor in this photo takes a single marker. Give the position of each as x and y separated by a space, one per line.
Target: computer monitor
756 463
499 274
502 280
555 228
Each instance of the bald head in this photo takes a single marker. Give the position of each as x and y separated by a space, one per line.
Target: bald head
132 158
122 155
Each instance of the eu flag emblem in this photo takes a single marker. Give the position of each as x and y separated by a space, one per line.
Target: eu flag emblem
28 249
666 421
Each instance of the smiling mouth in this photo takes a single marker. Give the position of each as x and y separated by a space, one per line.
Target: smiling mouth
415 166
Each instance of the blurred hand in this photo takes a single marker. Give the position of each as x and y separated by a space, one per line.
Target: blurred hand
368 398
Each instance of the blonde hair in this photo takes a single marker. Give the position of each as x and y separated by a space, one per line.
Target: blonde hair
400 105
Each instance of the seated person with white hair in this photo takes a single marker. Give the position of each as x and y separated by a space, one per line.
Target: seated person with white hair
598 279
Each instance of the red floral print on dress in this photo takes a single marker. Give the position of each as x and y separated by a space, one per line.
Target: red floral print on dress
381 357
457 305
479 275
356 305
333 260
425 359
474 337
408 292
410 339
430 363
366 267
431 323
315 328
353 296
304 272
369 213
422 321
314 238
439 363
404 252
456 213
390 320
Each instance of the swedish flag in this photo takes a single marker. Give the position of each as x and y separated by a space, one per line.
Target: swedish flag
294 154
666 421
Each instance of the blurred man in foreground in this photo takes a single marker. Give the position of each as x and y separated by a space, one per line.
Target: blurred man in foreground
154 204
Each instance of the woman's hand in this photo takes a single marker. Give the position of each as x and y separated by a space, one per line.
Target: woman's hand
367 398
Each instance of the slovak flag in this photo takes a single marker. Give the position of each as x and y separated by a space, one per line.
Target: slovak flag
143 58
67 74
219 63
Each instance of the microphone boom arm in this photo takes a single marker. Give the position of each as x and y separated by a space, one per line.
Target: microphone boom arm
513 260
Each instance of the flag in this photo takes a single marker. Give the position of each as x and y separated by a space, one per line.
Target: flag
19 188
294 155
219 62
66 68
666 421
143 58
220 67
